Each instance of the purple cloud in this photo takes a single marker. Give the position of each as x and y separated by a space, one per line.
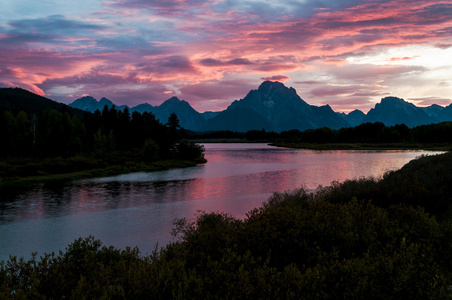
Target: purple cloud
167 65
309 82
443 46
239 61
211 62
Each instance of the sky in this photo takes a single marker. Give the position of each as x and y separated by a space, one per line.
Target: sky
346 53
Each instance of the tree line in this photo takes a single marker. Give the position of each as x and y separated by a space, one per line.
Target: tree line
374 133
57 133
365 133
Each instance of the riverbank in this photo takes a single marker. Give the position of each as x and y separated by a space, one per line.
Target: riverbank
364 146
27 172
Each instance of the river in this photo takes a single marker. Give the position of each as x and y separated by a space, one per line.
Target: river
138 209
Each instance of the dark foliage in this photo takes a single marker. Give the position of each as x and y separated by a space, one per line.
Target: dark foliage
113 136
189 150
373 133
227 134
425 182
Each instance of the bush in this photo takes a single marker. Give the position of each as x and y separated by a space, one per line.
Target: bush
189 150
150 150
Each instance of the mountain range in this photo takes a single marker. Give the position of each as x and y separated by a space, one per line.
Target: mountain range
275 107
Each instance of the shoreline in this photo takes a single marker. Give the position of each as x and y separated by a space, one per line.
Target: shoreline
111 170
363 146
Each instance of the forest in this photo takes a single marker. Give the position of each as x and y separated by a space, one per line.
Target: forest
375 238
56 141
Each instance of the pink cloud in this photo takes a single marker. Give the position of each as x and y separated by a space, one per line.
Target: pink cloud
403 58
281 78
335 61
369 93
427 101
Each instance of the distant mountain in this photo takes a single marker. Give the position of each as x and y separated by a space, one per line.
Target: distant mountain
90 104
210 114
86 103
274 107
104 101
392 110
17 99
433 110
324 116
445 114
240 119
144 107
189 118
353 118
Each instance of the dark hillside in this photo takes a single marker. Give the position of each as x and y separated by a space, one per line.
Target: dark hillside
17 99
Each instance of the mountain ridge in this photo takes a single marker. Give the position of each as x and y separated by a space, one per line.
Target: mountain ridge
272 106
275 107
392 111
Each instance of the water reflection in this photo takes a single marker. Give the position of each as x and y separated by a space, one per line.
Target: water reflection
138 208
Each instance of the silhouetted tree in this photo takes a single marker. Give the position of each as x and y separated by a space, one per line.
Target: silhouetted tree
173 122
172 136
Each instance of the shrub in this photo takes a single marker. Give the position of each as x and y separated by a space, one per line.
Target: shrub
150 150
189 150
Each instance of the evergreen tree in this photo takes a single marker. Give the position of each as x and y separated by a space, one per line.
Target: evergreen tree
173 122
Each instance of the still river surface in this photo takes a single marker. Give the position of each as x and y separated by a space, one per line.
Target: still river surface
138 209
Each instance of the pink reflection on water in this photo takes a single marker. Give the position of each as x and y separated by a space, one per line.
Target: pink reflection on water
139 208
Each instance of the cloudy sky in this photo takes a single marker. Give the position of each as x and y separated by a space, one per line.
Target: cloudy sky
345 53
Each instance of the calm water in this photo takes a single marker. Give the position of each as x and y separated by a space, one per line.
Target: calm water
138 209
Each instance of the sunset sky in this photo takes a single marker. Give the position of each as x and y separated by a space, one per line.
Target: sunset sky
348 54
